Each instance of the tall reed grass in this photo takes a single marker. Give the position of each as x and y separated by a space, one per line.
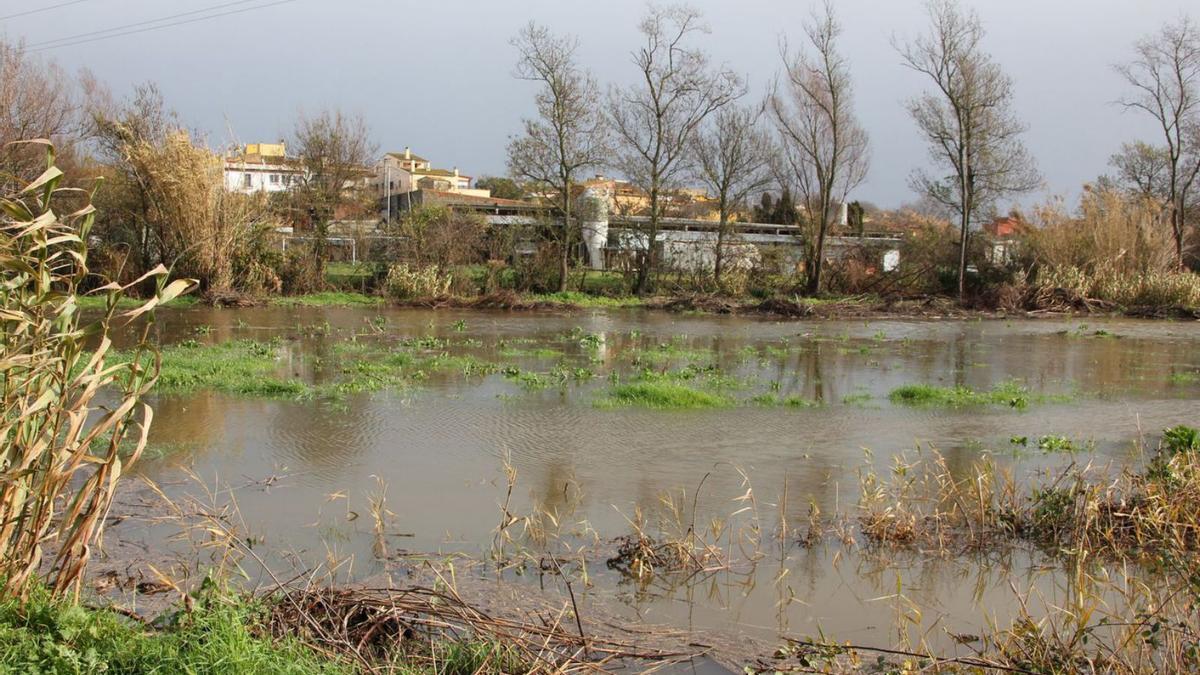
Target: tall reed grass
68 406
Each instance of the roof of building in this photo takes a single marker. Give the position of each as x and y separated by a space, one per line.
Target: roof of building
263 161
412 157
458 199
441 173
1007 227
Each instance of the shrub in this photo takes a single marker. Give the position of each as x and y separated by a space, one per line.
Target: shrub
413 283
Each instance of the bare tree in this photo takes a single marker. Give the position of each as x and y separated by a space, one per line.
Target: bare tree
37 100
825 149
1165 77
1143 169
968 121
733 161
569 134
654 120
334 150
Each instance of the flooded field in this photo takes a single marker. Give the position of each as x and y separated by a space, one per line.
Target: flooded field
739 427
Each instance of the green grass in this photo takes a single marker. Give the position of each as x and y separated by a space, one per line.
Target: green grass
857 398
1010 393
346 269
218 638
670 352
241 367
662 396
328 299
770 400
585 300
101 301
539 353
1184 378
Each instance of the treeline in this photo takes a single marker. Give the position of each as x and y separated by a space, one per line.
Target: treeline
686 121
795 156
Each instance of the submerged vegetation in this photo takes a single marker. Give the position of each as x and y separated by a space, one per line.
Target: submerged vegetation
663 396
1011 394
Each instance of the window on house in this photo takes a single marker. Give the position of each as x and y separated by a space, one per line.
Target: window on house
276 178
247 181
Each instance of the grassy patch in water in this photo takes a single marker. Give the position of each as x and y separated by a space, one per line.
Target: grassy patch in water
857 398
774 400
663 396
668 352
328 299
539 353
1184 378
1010 393
242 367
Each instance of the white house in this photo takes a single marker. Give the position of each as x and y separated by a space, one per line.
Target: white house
261 167
400 173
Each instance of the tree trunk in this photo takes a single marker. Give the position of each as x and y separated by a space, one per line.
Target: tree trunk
1177 227
962 256
719 256
814 274
565 252
648 259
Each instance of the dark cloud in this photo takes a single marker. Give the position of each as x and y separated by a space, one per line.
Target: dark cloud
437 76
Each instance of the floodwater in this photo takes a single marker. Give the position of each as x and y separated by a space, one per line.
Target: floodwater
438 448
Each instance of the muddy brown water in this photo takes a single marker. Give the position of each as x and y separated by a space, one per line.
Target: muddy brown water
438 447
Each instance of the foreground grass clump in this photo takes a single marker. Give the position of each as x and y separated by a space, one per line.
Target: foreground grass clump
242 367
1010 394
663 396
218 636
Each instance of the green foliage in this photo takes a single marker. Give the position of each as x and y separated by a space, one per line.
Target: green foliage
663 396
1009 393
769 400
1181 439
328 299
1062 444
1184 378
218 637
587 301
242 367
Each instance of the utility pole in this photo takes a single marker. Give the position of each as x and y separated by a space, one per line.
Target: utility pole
387 189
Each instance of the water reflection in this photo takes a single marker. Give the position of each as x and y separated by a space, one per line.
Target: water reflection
441 448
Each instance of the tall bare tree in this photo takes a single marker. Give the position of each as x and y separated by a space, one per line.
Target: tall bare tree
1165 77
968 121
654 120
569 134
334 150
37 100
733 161
825 149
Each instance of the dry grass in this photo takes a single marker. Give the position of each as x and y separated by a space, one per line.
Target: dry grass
1116 252
59 446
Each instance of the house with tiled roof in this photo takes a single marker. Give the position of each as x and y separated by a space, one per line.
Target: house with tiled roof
399 173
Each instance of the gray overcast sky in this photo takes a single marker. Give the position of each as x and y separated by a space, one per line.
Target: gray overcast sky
437 76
